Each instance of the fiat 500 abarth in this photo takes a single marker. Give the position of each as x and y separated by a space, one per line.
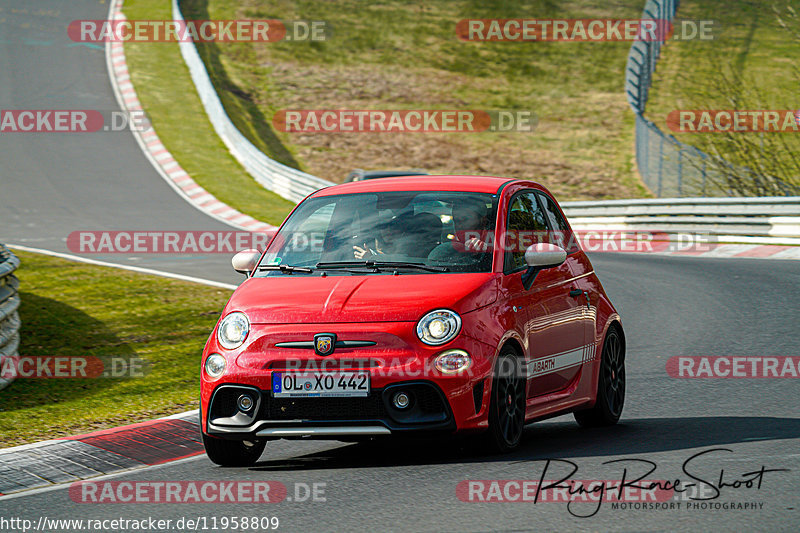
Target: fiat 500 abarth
409 305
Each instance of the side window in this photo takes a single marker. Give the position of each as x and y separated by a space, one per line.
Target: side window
526 226
560 235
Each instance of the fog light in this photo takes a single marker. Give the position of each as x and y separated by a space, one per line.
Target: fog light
245 402
401 400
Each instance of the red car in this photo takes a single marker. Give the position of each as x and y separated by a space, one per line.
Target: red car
407 305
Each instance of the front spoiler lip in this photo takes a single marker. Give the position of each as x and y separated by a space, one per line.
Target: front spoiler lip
325 428
323 431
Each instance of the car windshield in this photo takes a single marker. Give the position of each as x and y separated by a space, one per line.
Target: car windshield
385 232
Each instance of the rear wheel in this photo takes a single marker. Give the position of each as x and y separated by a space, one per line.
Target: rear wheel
233 452
610 386
507 405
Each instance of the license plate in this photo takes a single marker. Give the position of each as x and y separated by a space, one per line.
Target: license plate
320 384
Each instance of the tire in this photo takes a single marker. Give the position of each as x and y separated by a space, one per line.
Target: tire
507 404
233 452
610 386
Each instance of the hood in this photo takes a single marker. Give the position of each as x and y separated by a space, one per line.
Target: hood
372 298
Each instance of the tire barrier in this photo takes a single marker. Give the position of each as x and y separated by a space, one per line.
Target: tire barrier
9 314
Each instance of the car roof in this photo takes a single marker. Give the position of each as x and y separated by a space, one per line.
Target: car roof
483 184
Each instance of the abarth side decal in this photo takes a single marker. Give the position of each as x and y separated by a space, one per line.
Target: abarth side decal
561 361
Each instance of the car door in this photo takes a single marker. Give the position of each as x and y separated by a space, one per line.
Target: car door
583 286
551 319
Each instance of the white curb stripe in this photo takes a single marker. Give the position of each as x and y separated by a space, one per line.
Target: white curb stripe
141 270
787 254
61 486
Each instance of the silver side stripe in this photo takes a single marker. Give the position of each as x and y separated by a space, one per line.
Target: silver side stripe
562 361
589 352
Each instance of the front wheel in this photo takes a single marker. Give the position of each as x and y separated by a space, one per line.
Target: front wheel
233 452
507 405
610 385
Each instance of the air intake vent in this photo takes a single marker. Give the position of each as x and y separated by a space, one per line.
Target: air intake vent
477 396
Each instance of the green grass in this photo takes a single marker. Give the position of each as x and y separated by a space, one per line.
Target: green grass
402 55
169 98
751 65
750 44
73 309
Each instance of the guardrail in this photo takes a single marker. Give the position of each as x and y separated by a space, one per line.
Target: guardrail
288 182
9 303
766 220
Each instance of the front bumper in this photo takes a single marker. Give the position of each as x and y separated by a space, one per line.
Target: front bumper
395 357
331 417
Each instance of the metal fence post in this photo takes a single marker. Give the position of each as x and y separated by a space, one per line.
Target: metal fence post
703 172
660 161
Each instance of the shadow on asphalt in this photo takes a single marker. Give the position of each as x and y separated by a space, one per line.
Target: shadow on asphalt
552 440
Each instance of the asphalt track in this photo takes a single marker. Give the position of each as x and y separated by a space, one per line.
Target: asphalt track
51 184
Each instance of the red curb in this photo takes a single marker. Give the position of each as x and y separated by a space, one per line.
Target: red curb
764 251
152 442
110 431
119 68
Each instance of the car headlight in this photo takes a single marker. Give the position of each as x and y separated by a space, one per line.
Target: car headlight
215 365
438 327
233 330
452 361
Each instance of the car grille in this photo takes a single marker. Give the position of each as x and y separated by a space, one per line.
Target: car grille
367 408
371 407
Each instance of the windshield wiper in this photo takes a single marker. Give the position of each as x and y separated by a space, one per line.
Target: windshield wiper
404 264
379 264
287 268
